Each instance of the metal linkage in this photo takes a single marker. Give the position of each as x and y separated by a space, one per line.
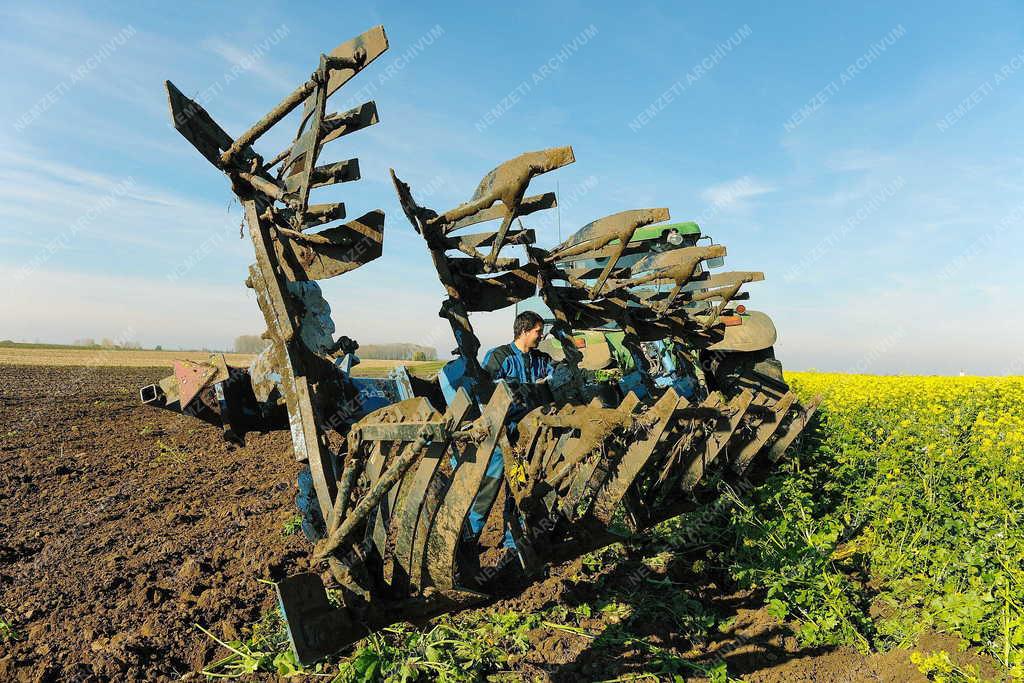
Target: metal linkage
501 195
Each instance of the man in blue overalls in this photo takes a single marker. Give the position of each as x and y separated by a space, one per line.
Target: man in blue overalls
521 365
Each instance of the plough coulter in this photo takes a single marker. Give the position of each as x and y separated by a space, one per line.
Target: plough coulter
662 381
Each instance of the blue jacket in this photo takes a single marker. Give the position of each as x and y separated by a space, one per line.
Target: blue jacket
508 363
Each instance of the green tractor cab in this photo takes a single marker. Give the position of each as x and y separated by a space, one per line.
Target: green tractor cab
747 336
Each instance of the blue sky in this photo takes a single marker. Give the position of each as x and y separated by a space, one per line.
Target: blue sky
868 160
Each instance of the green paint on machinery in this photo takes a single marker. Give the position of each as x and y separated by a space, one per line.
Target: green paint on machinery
747 335
684 393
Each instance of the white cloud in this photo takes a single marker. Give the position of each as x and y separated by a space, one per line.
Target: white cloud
733 193
857 160
251 62
85 207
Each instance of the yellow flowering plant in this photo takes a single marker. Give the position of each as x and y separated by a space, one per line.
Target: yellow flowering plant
906 503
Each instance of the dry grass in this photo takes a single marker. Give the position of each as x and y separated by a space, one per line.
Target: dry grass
164 359
109 357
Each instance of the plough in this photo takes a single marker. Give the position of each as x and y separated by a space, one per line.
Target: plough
661 380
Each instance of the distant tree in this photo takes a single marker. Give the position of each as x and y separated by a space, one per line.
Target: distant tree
158 348
397 351
250 343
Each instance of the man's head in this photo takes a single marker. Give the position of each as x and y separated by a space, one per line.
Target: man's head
527 330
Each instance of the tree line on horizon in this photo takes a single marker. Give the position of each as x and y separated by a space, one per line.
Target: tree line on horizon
252 343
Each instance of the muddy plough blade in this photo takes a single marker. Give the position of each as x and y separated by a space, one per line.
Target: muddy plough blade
663 385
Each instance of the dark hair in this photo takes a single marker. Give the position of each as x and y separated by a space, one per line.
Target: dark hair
524 322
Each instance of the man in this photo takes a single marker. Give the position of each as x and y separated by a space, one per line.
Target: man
523 367
520 363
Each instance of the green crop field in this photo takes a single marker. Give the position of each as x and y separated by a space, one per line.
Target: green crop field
899 518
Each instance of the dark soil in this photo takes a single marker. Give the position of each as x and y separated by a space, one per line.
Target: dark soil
123 526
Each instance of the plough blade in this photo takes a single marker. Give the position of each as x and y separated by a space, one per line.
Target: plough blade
331 252
800 417
500 291
446 530
720 435
770 423
196 125
316 629
613 231
618 227
343 123
355 55
527 206
639 453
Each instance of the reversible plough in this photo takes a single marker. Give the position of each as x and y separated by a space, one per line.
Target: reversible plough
602 448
